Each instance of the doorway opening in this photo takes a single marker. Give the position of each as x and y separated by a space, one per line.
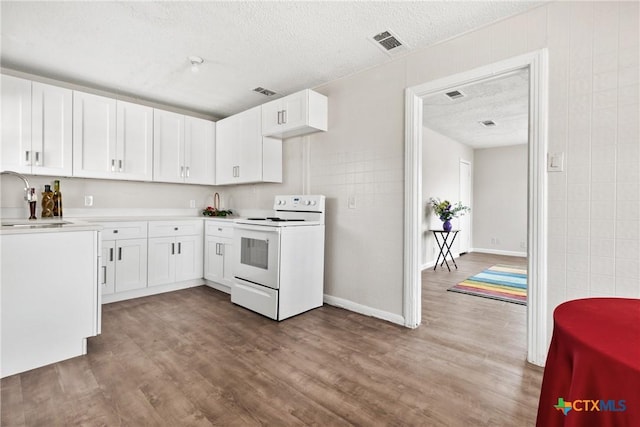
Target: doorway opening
536 64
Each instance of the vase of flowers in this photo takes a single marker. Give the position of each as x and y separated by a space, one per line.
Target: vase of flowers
446 211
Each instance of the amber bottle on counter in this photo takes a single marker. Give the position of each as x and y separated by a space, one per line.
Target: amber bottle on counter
47 202
57 199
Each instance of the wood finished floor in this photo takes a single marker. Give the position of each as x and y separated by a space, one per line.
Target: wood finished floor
192 358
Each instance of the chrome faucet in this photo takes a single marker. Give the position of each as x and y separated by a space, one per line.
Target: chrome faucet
29 195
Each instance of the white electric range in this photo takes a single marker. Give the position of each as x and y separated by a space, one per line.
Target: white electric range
279 260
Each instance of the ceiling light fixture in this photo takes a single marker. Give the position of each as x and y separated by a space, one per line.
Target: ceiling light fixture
196 61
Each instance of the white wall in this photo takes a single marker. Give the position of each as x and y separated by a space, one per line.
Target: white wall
594 205
440 178
500 200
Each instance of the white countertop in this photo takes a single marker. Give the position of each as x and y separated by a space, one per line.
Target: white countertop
25 226
40 225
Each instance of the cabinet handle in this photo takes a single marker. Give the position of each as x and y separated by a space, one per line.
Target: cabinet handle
120 165
173 249
120 253
181 171
113 165
284 116
279 115
221 248
110 254
26 157
187 171
179 248
37 158
217 248
104 274
219 229
238 173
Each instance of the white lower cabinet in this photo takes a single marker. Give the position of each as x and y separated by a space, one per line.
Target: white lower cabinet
176 251
218 253
124 257
50 302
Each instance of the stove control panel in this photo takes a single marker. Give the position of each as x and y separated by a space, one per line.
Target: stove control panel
307 203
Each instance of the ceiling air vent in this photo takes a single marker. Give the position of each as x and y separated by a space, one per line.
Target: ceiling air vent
389 42
455 94
264 91
488 123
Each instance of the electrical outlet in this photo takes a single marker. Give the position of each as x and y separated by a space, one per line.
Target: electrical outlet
192 203
88 200
493 240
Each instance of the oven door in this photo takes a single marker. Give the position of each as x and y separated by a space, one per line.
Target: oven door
257 254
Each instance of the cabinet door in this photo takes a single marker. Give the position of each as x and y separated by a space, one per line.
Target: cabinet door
168 146
214 259
131 264
94 136
199 151
189 258
134 159
249 146
227 253
294 109
108 268
16 124
51 130
162 266
227 132
271 117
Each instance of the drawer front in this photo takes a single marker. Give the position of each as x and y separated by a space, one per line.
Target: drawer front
124 230
175 228
256 298
219 229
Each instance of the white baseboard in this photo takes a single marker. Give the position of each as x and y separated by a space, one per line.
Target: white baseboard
363 309
499 252
223 288
152 290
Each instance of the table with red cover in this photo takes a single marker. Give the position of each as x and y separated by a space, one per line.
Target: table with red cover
592 374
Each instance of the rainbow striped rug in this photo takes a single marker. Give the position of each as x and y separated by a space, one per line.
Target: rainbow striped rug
501 282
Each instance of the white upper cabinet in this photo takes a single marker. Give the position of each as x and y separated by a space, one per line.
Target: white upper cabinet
199 151
294 115
36 127
243 155
184 149
112 139
168 143
94 136
134 142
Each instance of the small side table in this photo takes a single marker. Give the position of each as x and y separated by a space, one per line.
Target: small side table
445 246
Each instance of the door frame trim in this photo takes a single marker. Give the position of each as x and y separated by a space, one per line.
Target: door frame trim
537 301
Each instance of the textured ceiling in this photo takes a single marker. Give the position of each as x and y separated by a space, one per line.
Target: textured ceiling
504 100
140 49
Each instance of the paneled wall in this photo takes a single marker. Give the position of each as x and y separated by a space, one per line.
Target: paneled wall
594 205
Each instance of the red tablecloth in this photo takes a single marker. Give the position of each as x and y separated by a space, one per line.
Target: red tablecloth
593 365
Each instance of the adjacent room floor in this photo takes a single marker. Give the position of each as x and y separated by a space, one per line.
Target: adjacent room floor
192 358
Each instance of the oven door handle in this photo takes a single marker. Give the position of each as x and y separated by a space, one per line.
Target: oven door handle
260 228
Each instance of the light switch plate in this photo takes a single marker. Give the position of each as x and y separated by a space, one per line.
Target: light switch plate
351 202
555 162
